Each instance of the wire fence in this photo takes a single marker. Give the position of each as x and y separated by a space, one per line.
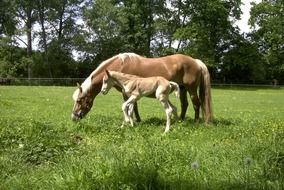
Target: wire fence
41 81
73 81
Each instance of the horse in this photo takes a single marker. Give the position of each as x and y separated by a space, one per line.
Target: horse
137 87
190 74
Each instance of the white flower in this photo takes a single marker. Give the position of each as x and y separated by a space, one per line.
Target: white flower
21 145
248 161
194 165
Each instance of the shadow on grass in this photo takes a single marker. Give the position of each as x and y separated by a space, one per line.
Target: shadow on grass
146 177
218 122
247 88
225 122
153 121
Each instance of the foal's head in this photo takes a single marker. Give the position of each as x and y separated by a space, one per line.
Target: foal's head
83 104
108 82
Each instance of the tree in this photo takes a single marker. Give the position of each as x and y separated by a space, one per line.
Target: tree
13 62
207 28
267 18
242 63
122 25
7 17
57 20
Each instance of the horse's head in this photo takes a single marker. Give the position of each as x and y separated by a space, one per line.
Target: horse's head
83 104
107 83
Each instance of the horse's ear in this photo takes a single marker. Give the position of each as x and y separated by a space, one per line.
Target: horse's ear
80 88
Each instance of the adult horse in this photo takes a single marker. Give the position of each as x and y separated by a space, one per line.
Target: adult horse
191 74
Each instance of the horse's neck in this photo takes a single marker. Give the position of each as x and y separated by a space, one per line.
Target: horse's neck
96 85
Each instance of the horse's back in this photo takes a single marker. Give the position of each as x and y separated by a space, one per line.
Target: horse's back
178 67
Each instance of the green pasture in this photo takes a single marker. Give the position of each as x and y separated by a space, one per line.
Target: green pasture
41 148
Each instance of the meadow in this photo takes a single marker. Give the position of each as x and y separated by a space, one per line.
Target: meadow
41 148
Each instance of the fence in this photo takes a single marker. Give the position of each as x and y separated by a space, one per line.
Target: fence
73 81
41 81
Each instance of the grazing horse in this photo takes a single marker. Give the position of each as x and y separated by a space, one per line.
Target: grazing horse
190 74
136 87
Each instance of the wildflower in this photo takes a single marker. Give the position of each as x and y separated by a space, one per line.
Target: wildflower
248 161
194 165
21 145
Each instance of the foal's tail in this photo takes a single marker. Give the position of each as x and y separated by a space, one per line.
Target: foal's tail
205 93
175 87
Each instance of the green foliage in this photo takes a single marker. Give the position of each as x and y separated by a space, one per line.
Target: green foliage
7 17
267 18
12 62
41 148
208 30
97 30
245 58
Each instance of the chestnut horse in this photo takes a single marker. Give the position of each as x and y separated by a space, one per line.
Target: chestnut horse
191 74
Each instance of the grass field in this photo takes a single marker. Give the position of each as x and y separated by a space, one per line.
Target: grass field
41 148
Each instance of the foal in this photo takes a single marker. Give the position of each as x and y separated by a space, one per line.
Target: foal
136 87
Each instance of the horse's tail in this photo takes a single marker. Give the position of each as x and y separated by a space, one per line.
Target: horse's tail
205 93
175 87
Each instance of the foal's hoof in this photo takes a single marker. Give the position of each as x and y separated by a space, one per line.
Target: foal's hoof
165 133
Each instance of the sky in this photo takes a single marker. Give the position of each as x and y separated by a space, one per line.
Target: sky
243 23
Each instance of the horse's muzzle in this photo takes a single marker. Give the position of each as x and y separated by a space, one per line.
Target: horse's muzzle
75 116
104 92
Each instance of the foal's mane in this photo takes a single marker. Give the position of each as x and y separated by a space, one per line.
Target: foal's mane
124 75
86 85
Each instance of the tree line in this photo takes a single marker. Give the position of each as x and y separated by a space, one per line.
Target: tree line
69 38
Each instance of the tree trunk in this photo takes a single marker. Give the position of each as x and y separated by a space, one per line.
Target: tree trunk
29 38
61 14
42 20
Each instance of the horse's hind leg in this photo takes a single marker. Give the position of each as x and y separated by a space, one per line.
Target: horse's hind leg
196 104
136 112
183 102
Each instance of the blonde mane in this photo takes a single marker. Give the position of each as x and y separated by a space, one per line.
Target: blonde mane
86 85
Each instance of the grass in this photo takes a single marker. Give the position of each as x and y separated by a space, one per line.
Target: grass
41 148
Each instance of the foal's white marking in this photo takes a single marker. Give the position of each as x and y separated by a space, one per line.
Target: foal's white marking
88 82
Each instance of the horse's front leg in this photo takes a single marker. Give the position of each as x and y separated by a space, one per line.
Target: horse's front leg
183 102
135 108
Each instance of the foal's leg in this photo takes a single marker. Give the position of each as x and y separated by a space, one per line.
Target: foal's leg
125 107
130 113
168 109
126 119
174 110
136 112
